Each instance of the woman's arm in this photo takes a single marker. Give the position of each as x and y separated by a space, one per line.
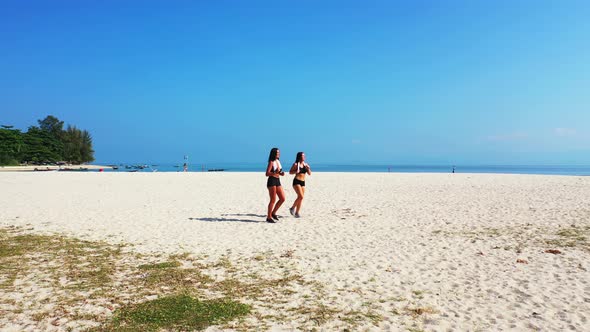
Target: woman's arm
308 169
293 169
269 170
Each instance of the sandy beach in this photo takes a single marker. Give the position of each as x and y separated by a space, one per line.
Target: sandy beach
412 252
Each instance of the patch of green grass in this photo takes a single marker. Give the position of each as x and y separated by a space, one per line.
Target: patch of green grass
175 278
232 287
318 313
572 237
575 232
415 329
177 312
224 262
354 317
484 232
183 256
163 265
86 265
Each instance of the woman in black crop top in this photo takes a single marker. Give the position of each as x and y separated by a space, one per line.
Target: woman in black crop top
273 184
299 168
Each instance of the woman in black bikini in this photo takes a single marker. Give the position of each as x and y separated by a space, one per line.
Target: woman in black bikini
274 171
299 168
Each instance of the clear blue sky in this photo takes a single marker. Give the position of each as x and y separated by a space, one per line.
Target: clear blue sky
404 82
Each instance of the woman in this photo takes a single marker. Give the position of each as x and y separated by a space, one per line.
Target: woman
299 168
274 170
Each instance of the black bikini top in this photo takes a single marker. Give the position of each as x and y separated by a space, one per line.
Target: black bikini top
302 170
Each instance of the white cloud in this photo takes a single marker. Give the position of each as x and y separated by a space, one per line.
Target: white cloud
565 132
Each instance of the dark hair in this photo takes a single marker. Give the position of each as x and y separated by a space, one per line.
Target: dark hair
299 157
273 154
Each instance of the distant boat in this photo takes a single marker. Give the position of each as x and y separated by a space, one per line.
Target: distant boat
68 169
44 169
136 166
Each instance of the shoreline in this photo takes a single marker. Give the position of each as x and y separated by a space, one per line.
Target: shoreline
109 169
50 168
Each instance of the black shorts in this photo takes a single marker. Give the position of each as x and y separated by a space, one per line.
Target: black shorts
273 182
298 182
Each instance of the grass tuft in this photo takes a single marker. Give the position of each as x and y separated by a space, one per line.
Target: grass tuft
572 237
164 265
86 265
177 312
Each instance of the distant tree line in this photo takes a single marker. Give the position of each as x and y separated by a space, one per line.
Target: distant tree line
47 143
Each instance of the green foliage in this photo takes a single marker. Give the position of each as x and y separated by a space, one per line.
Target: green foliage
176 312
52 126
7 160
77 145
41 147
11 145
48 143
86 151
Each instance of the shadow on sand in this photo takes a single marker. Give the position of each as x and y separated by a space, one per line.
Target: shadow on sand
262 218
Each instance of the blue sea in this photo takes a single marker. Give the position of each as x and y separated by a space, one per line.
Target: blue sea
251 167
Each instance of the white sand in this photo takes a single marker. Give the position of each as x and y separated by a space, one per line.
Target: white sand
446 243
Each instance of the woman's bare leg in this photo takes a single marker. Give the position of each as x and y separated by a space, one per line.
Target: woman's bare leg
300 190
296 201
272 192
281 194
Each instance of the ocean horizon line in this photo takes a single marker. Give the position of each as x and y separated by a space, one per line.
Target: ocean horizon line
357 164
551 169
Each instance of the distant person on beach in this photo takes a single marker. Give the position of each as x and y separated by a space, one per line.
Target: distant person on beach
453 168
274 171
184 167
300 168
